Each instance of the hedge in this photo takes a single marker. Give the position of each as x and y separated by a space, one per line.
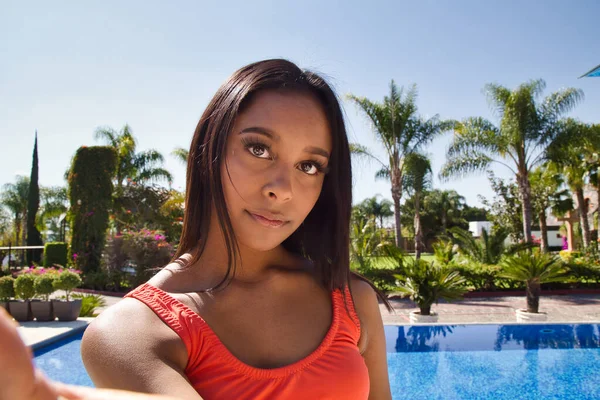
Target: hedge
90 194
55 253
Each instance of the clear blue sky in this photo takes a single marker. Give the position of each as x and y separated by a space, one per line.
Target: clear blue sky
68 67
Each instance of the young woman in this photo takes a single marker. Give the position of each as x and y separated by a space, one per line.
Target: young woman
260 302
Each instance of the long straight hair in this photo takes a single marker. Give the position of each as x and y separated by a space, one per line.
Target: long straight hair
323 237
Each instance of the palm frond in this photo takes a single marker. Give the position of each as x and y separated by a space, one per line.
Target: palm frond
497 97
153 175
533 266
417 172
475 134
108 135
181 154
383 173
465 164
363 152
559 103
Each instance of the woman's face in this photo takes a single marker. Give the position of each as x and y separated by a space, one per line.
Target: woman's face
276 158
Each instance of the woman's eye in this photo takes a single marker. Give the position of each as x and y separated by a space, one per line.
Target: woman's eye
259 151
309 168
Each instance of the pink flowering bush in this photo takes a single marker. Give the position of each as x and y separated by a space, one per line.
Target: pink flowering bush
148 250
132 258
37 271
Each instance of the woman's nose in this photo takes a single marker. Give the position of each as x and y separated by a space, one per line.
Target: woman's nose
279 188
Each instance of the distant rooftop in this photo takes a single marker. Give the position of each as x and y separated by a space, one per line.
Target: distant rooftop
594 72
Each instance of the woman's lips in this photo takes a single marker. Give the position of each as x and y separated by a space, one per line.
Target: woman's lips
271 223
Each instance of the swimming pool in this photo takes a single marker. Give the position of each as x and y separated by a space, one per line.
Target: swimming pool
450 362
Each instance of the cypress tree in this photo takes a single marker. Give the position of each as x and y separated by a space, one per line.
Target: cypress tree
34 238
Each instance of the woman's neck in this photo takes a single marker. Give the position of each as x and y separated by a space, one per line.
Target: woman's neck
252 265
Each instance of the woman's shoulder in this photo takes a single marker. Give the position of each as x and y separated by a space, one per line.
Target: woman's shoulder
362 290
367 309
129 332
129 325
127 347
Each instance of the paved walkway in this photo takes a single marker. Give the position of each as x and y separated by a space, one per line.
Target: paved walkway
567 309
489 310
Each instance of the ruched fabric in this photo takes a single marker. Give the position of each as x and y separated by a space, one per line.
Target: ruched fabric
335 370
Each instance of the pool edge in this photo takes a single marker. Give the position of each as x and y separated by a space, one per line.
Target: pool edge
48 341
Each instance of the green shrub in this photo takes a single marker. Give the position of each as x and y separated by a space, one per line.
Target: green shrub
7 289
426 284
583 272
67 281
89 303
90 194
24 286
148 249
55 253
43 285
568 255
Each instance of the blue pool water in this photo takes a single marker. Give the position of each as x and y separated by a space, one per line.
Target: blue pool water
450 362
61 361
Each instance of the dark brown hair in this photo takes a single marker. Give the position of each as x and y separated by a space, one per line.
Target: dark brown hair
323 237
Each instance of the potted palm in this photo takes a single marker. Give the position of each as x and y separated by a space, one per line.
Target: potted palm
66 310
426 284
42 310
24 290
533 268
7 291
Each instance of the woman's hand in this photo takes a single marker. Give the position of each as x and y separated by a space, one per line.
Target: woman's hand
19 380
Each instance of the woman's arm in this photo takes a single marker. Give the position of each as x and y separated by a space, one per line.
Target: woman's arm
19 380
129 348
372 339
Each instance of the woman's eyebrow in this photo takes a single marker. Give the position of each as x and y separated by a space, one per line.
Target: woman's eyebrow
317 150
261 131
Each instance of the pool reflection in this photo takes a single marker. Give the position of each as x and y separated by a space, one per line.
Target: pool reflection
402 339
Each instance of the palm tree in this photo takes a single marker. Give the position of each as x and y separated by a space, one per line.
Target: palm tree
591 160
401 132
527 129
14 198
417 179
545 193
376 209
487 249
181 154
132 166
449 202
533 268
54 205
426 284
570 160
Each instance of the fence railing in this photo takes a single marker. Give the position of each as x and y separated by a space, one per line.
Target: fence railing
16 255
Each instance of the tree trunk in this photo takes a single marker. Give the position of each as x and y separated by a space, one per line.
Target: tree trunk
534 290
544 228
525 192
583 218
425 310
17 229
418 229
396 196
444 221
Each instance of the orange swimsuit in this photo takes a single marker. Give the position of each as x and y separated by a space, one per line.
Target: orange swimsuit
335 370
